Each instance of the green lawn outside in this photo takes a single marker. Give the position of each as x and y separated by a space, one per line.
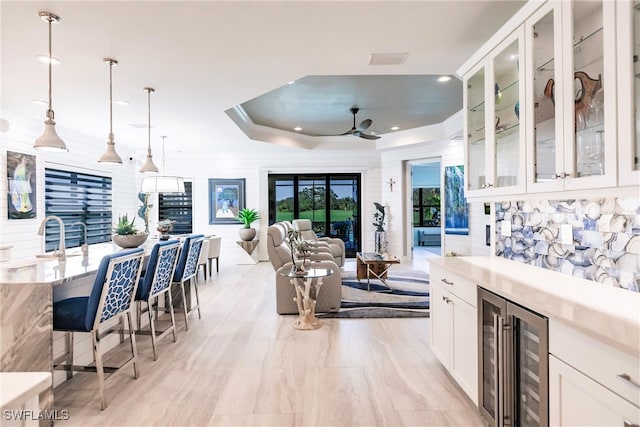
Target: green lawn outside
319 214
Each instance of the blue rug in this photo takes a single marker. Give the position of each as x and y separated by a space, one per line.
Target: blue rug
406 296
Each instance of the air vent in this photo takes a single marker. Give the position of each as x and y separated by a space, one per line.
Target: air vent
388 58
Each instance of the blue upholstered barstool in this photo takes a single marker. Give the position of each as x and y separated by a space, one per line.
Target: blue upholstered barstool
186 271
157 281
112 295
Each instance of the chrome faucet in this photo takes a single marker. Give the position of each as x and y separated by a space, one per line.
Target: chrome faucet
61 248
85 244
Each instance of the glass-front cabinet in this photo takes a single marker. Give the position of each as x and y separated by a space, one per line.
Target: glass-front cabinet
628 25
495 153
572 137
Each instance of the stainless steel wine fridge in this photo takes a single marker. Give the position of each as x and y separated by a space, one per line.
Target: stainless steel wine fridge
513 364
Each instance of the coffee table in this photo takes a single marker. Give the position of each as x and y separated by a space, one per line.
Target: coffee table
372 264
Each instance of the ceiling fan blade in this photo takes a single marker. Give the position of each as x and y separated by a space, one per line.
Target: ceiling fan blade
350 131
364 125
365 136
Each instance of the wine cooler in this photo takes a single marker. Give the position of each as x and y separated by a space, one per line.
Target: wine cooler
513 363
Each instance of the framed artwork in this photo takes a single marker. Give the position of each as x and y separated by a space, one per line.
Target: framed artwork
21 179
456 211
226 198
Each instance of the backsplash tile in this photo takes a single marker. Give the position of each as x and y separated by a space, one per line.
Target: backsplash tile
606 237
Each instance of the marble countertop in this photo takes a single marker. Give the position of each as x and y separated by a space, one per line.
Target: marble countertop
17 387
51 271
609 314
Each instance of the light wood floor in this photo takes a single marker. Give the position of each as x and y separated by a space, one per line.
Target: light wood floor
244 365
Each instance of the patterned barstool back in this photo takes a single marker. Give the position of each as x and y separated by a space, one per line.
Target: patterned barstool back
160 269
186 271
115 286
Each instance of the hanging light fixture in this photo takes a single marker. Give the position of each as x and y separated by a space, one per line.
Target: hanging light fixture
162 184
49 140
148 165
110 156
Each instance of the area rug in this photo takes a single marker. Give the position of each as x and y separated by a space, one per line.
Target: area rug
408 297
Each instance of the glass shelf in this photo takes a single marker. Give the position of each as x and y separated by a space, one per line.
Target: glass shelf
477 141
506 131
583 39
477 108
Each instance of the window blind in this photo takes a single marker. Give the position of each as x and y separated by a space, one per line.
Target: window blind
77 197
178 208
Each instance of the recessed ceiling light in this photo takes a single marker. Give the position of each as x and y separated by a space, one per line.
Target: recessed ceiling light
443 79
297 128
291 82
394 128
122 102
45 59
39 102
513 57
373 133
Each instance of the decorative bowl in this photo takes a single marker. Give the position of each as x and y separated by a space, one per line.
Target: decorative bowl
129 240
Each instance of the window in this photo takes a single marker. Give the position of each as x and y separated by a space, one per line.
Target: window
426 207
331 202
178 208
77 197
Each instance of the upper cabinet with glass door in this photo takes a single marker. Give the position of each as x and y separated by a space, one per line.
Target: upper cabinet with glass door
628 25
572 137
495 154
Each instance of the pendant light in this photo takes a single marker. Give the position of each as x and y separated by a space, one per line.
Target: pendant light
148 165
49 140
110 156
162 184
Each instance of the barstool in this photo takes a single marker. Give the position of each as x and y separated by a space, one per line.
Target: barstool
112 295
186 270
157 281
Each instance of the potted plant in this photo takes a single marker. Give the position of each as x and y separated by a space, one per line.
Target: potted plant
247 216
164 227
126 235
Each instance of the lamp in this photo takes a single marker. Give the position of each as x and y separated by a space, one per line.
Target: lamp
110 156
162 184
49 140
148 165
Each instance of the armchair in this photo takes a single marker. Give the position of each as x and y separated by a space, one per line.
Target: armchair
280 258
336 246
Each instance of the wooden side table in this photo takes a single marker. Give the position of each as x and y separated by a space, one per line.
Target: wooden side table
307 285
371 264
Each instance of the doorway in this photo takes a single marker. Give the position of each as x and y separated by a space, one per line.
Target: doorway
426 206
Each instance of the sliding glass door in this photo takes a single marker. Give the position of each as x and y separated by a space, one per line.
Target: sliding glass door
330 201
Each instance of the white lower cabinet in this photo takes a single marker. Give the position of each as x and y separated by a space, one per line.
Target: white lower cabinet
577 400
454 332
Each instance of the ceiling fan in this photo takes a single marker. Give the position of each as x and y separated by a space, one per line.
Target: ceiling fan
359 130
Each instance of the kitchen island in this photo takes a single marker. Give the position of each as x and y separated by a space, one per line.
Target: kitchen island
27 291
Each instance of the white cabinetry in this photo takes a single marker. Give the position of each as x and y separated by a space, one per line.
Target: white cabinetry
492 93
590 383
574 82
454 332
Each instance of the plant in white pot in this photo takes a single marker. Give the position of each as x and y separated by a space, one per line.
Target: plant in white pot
126 235
247 216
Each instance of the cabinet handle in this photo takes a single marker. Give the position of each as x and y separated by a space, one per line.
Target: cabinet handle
448 282
561 175
627 379
487 185
445 299
627 423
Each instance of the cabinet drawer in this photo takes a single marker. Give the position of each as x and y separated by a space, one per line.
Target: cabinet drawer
457 285
614 369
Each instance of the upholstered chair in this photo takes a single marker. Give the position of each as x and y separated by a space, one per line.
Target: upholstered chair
215 243
337 247
111 298
203 258
186 273
156 282
280 258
